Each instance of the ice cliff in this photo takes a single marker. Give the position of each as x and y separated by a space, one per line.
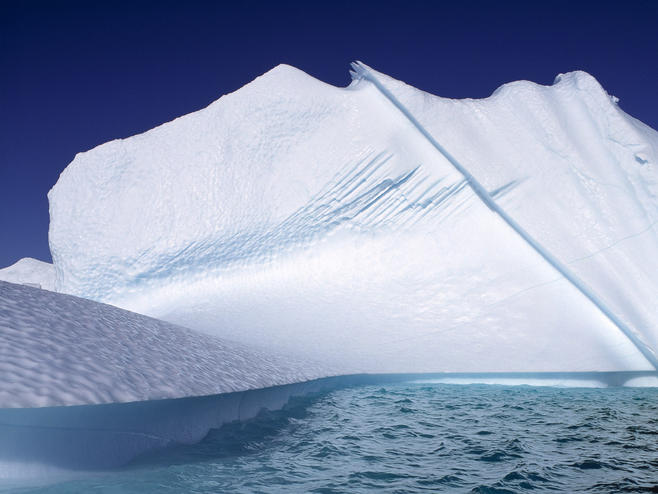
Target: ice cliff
379 228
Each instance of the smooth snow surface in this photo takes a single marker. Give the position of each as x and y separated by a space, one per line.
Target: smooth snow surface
28 271
323 222
57 350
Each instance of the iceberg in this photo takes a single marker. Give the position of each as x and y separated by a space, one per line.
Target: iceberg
294 237
377 228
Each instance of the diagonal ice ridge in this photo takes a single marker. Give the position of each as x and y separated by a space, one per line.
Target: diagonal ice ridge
361 71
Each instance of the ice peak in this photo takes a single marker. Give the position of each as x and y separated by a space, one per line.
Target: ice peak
576 77
282 71
30 271
580 80
283 77
567 82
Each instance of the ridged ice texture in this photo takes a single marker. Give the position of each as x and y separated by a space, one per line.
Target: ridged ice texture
30 271
586 172
320 221
57 349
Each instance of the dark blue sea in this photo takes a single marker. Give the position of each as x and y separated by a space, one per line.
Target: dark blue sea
415 437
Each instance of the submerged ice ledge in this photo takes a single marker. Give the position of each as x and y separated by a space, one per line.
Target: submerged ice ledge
38 442
47 442
50 442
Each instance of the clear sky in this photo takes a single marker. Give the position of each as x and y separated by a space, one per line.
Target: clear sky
76 74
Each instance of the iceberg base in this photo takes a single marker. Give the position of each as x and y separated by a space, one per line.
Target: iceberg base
42 442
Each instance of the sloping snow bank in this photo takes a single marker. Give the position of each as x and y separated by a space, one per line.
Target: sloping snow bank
57 349
28 271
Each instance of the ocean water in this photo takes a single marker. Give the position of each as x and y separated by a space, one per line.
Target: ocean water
415 437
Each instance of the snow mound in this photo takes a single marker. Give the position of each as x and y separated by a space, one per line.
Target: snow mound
28 271
380 228
58 350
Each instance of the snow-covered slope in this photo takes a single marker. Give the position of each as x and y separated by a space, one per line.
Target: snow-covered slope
327 222
30 271
56 350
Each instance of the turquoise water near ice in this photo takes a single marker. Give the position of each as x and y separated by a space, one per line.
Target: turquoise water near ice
415 437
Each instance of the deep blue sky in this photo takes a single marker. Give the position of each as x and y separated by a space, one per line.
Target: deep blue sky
77 74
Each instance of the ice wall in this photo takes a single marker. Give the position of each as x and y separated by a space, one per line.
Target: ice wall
319 221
